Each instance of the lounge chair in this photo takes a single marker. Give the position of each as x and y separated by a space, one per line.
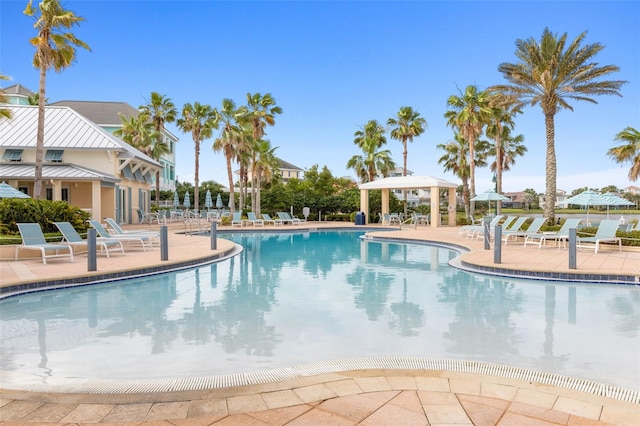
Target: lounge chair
70 236
267 219
33 239
253 220
117 229
533 229
517 225
561 236
285 217
147 217
236 219
475 230
606 233
144 240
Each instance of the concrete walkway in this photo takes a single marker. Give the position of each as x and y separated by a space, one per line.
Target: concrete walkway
385 397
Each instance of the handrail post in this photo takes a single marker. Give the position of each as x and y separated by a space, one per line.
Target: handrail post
497 245
487 236
572 248
164 243
92 261
214 236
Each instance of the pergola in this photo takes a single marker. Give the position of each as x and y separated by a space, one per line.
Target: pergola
410 182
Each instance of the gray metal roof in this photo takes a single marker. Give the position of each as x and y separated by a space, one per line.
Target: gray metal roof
408 182
26 171
18 89
64 129
287 166
101 113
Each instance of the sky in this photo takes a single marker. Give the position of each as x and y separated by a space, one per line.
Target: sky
334 65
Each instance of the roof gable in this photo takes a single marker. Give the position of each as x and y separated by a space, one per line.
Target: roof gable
64 129
18 89
102 113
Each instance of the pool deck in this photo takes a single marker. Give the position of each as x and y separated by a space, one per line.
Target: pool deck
361 396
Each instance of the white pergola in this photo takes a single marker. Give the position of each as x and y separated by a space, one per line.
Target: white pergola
410 182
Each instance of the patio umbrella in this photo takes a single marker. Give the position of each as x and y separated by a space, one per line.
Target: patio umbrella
616 200
176 200
208 203
186 203
588 198
490 195
8 191
219 204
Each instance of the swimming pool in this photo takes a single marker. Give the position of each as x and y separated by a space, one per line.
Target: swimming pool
294 298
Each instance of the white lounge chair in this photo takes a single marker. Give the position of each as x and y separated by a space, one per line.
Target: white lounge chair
533 229
606 233
33 239
70 236
145 241
253 220
561 236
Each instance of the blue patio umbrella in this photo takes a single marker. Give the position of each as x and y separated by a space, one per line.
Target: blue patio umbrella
616 200
8 191
186 202
208 203
219 204
176 200
490 195
588 198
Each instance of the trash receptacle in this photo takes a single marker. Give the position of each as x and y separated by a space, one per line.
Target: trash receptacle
360 218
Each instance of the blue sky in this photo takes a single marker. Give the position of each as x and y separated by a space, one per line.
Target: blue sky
334 65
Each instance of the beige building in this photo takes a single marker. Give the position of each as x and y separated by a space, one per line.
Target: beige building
84 164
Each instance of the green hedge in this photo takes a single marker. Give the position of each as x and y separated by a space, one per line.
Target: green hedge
43 212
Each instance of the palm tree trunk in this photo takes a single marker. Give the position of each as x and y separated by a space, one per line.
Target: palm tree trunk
404 173
241 181
465 196
232 199
472 176
551 170
196 179
37 184
158 189
498 172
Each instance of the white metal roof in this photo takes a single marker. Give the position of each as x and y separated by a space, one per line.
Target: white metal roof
408 182
26 171
64 129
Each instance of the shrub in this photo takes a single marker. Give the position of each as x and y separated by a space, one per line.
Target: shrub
42 212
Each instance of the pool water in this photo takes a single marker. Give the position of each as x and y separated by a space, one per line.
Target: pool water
294 298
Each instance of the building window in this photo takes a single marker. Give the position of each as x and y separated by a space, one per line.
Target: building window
12 155
53 155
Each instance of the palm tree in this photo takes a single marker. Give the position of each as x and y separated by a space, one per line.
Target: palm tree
200 120
551 73
505 154
54 49
3 100
456 160
469 113
263 168
160 110
629 150
374 161
404 127
231 133
505 109
262 110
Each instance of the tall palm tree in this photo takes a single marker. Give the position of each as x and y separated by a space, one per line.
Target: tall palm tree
263 168
406 125
551 73
373 161
231 133
456 160
629 150
160 110
200 120
54 49
505 154
469 113
262 110
505 109
3 100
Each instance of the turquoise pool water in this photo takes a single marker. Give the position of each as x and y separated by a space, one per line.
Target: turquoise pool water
295 298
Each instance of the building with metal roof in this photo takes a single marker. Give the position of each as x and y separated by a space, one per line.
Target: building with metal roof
107 115
83 163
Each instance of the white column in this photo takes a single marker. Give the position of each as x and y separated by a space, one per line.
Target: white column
364 203
435 207
96 201
452 202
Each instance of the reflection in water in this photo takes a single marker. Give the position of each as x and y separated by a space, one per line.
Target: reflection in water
292 298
